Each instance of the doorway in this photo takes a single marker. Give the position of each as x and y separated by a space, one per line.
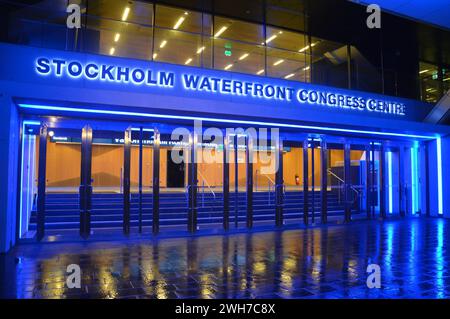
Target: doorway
175 171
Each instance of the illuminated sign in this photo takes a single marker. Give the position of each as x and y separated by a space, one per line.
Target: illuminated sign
219 85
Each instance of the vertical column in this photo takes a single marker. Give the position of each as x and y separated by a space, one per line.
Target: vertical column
383 171
373 175
236 182
249 179
85 190
126 181
313 186
324 181
141 137
427 178
40 230
402 195
226 182
279 183
368 189
192 177
155 183
305 182
347 183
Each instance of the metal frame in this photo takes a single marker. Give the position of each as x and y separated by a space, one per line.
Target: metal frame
126 181
249 179
141 150
347 183
279 184
402 191
226 182
192 180
85 189
383 170
368 182
40 227
305 183
155 182
323 181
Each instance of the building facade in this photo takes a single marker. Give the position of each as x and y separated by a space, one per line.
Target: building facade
187 116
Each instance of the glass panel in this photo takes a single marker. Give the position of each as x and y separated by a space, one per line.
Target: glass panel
329 61
237 30
118 38
289 14
238 57
293 181
429 82
122 10
335 180
288 65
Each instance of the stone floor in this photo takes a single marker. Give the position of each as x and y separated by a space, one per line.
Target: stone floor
323 262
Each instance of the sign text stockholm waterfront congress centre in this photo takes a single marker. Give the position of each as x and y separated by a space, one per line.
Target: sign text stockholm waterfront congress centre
221 85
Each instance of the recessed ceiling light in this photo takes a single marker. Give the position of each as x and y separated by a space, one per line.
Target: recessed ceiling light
260 71
200 50
242 57
278 62
221 30
180 21
188 61
111 51
163 44
117 37
125 14
306 68
155 55
423 71
289 76
228 66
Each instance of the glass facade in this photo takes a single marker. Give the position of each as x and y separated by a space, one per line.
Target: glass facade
268 38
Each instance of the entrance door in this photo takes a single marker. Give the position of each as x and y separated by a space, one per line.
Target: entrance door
175 172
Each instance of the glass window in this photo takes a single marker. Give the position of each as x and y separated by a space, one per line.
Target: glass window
237 30
429 82
178 37
122 10
289 14
238 57
329 63
119 28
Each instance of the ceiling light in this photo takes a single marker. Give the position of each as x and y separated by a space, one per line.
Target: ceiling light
289 76
447 79
244 56
278 62
163 44
51 133
200 50
304 49
155 55
423 71
260 71
228 66
188 61
222 30
125 13
306 68
180 21
117 37
111 51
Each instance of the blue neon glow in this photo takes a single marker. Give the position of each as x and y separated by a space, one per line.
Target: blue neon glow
414 179
21 171
439 174
222 120
205 83
390 190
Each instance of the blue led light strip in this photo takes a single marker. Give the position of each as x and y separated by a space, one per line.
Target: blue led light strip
222 120
21 172
390 186
439 174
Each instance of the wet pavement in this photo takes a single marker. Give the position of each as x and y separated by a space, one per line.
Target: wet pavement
323 262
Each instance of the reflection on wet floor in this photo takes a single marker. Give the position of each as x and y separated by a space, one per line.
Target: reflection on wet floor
325 262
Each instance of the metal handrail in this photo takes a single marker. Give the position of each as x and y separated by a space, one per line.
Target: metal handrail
207 185
341 180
